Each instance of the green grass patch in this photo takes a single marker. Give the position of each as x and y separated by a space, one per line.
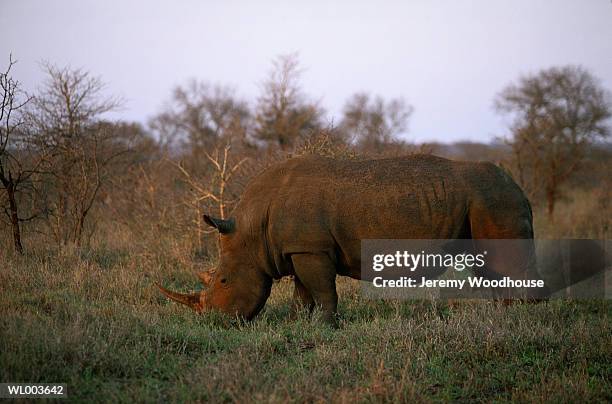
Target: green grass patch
95 321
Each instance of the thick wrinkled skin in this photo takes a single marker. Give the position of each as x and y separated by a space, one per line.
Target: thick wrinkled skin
307 216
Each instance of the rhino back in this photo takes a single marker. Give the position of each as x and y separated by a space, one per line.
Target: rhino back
317 204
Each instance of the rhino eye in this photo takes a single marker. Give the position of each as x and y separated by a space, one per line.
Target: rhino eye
223 280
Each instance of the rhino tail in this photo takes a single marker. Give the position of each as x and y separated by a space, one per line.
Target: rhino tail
192 300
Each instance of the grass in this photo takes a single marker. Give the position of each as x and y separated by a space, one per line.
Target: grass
92 319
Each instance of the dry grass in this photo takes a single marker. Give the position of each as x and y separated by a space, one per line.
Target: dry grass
94 321
91 318
583 213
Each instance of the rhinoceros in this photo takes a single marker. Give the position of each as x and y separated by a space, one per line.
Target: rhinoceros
306 217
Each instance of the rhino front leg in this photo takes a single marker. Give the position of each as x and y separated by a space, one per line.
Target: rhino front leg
318 275
302 299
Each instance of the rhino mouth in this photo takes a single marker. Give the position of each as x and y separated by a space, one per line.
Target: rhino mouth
248 307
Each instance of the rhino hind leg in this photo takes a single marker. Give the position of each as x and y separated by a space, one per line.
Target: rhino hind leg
515 257
302 299
317 274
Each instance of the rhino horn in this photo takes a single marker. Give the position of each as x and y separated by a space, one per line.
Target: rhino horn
223 225
193 300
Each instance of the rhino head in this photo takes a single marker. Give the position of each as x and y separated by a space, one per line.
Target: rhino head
238 286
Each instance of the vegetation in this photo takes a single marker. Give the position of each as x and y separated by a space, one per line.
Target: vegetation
106 209
94 321
557 113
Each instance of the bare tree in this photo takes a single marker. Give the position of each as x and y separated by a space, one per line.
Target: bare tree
213 190
199 116
17 161
66 119
372 122
283 115
556 115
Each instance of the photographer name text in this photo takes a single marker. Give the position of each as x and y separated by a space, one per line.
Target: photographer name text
473 282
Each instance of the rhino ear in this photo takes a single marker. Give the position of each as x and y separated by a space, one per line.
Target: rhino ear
224 226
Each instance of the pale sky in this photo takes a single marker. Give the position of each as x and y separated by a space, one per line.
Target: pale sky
446 58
